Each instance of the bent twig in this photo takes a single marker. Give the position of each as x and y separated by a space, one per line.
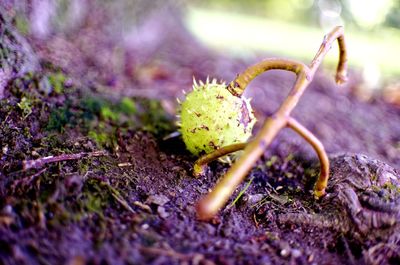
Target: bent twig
212 202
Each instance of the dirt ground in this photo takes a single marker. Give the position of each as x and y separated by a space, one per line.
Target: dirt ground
117 192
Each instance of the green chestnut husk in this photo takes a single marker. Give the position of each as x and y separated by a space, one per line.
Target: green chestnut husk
211 118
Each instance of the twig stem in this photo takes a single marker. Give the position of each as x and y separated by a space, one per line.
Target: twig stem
322 182
201 163
40 162
212 202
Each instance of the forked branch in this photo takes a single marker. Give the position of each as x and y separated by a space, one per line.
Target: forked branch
212 202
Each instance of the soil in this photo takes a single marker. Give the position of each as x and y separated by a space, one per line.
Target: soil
88 175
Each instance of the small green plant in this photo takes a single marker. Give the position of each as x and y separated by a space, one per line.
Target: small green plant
217 120
26 106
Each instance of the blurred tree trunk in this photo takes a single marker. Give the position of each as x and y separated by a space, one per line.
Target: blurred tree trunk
16 56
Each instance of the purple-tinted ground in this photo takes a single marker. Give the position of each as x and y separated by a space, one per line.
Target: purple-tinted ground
135 204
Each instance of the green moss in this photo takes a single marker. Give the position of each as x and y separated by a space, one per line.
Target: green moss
107 114
154 119
95 197
99 195
127 106
92 105
102 138
57 82
75 114
52 141
117 112
93 203
59 118
99 118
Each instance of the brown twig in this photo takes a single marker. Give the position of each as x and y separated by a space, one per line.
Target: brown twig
212 202
201 163
322 182
195 257
40 162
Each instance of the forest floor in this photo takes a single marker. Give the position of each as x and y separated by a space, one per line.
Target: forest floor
88 177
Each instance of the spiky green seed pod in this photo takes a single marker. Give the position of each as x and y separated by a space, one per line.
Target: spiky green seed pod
211 117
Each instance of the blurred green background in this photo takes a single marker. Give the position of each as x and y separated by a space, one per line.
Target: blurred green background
295 28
